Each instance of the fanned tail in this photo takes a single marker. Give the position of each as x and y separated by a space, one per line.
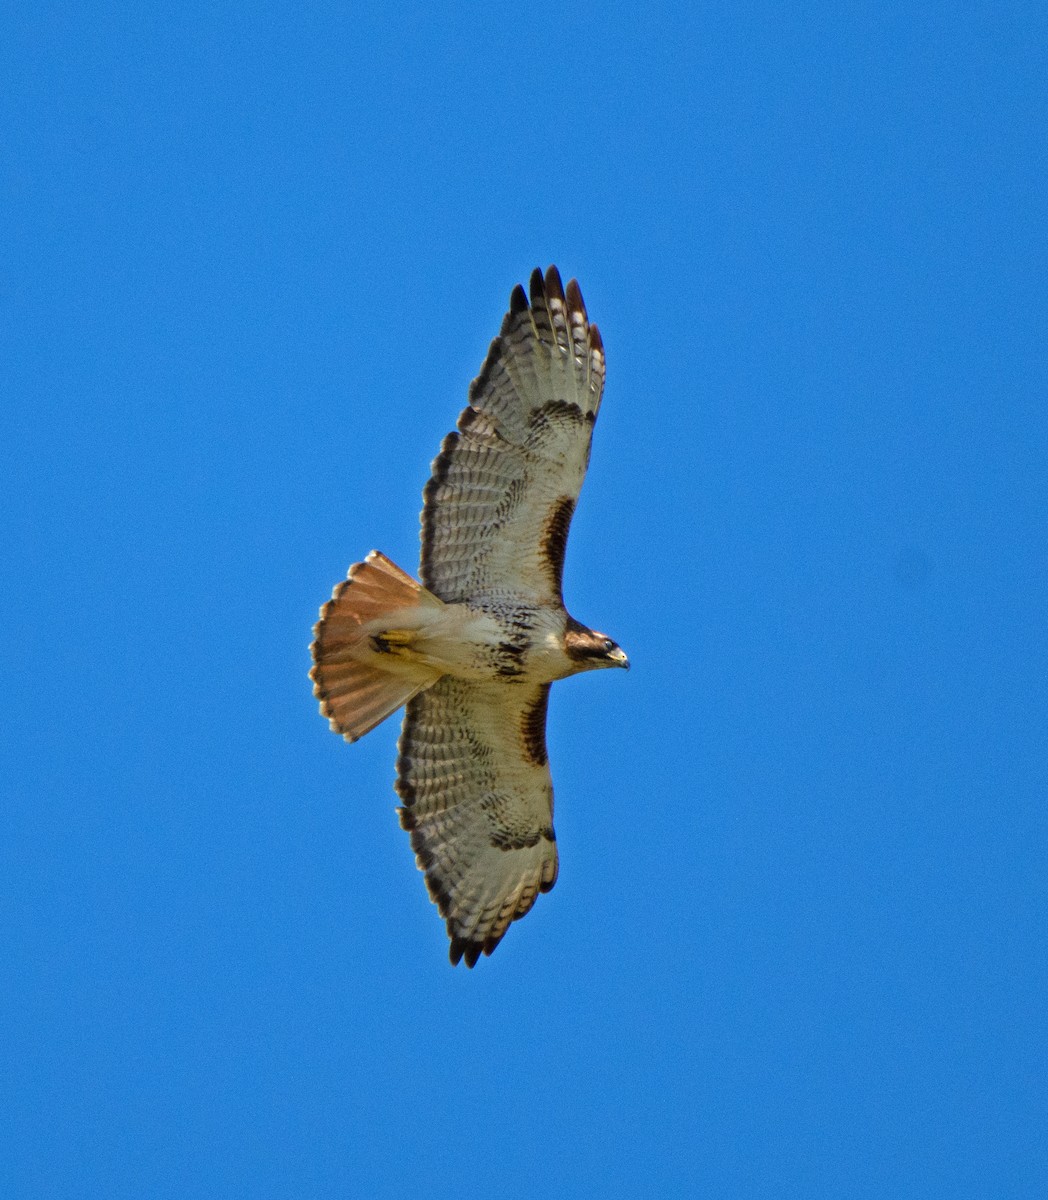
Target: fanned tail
357 685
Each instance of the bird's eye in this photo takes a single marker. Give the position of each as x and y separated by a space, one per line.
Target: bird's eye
609 645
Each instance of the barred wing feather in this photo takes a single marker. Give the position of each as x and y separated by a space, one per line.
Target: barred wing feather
478 801
504 486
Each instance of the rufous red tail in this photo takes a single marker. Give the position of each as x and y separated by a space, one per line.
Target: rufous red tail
356 684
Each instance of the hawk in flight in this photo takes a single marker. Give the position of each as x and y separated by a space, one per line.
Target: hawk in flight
473 649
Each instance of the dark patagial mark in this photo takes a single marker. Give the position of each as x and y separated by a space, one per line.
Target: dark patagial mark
555 539
533 728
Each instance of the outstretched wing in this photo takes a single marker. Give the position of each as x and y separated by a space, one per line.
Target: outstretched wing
478 801
504 486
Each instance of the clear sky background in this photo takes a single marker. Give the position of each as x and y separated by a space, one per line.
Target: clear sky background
252 256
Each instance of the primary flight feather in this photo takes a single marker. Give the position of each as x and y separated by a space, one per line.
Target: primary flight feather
473 649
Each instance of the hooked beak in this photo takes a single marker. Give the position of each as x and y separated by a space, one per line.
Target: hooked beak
618 658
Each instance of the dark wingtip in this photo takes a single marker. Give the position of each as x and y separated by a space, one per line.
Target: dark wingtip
463 948
554 287
537 287
518 300
573 293
595 339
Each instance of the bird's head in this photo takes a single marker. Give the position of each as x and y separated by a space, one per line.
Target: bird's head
590 649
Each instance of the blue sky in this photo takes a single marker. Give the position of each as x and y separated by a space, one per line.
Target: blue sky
252 258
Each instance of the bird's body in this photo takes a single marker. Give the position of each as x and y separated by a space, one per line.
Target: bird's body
473 649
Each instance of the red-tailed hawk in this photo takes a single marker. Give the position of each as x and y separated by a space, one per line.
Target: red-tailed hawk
473 650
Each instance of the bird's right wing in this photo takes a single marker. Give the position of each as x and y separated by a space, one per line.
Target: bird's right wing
504 486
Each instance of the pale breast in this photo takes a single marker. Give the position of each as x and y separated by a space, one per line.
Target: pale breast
497 640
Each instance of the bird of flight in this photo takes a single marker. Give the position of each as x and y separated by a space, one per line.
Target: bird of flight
473 649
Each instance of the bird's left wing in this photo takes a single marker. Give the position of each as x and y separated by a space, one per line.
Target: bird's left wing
477 799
